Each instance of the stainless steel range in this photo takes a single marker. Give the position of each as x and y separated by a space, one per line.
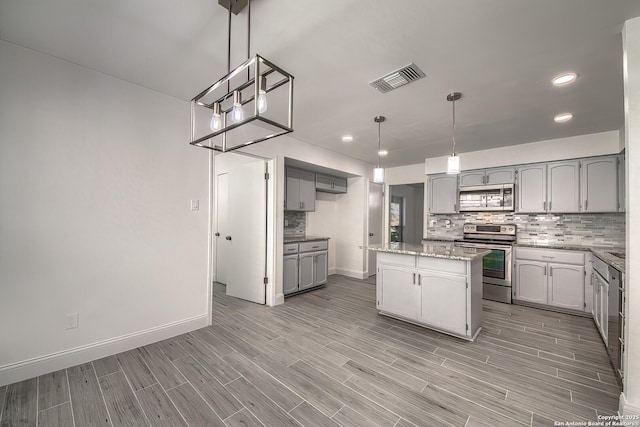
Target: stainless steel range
496 266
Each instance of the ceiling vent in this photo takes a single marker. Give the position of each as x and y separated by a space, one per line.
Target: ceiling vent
397 78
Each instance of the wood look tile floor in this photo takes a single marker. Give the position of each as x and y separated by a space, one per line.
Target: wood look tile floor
327 358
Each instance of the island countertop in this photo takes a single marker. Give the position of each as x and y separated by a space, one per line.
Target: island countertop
435 249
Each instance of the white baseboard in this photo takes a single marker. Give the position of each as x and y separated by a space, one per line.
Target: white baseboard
626 408
351 273
37 366
332 271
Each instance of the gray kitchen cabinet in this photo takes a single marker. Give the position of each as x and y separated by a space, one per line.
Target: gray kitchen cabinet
487 177
330 184
563 187
531 281
500 176
601 306
300 190
443 193
566 286
532 188
552 277
305 266
599 178
290 273
305 272
471 178
397 293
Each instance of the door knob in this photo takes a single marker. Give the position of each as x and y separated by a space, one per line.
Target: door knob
228 237
217 234
370 234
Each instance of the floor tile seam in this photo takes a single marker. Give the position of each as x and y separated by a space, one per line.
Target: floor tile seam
374 403
275 379
4 397
394 340
104 400
54 406
38 397
588 386
479 404
268 398
73 415
201 397
135 394
587 378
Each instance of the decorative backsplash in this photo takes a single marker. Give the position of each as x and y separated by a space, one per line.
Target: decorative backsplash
295 222
572 229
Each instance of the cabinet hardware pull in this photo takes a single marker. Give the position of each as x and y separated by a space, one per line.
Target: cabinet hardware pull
586 205
228 237
550 206
551 271
414 278
419 280
217 234
544 206
545 270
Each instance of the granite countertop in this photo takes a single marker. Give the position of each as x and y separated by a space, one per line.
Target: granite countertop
300 238
434 249
605 253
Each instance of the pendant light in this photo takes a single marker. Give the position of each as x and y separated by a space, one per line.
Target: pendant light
234 112
378 172
453 162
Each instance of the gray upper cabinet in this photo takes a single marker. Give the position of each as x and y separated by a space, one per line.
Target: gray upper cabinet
563 187
500 176
532 188
330 184
487 177
599 184
472 178
300 191
443 193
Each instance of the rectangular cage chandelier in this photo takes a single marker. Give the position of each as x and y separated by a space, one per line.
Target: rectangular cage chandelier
250 104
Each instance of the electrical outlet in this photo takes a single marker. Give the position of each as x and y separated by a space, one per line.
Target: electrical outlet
195 205
72 320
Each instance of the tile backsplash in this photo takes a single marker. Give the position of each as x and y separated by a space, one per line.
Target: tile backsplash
295 222
571 229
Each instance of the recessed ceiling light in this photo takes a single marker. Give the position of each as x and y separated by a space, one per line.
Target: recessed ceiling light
564 79
563 117
347 138
383 153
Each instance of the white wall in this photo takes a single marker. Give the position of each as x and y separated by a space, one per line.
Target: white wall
630 400
96 177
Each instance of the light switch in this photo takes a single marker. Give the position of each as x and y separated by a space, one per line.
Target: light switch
195 205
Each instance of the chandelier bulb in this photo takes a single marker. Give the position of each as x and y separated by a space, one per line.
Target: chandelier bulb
262 95
216 118
236 113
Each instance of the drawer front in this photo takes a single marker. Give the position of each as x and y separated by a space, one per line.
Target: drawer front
290 248
550 255
444 265
396 259
320 245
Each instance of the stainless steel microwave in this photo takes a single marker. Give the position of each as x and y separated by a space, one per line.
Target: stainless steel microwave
487 198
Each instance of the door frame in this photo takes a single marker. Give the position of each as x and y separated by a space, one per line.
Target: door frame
270 224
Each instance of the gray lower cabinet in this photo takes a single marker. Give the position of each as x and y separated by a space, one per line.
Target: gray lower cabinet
290 273
307 268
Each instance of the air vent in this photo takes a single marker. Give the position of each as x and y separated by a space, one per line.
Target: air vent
397 78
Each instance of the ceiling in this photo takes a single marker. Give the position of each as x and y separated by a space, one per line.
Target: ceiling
501 54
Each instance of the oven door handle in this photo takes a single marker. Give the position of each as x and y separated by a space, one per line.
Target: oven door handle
483 245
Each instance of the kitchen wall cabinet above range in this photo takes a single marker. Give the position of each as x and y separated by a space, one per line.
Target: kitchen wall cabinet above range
487 177
443 193
300 191
330 184
574 186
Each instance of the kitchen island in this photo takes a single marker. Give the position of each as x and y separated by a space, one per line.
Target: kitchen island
436 285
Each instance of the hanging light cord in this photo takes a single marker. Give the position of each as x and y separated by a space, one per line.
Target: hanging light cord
453 152
379 143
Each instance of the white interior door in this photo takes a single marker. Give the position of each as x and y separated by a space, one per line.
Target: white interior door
222 227
375 223
247 237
